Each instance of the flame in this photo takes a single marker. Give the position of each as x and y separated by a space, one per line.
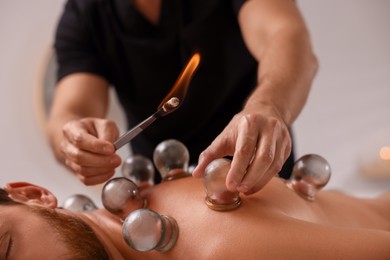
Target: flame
180 87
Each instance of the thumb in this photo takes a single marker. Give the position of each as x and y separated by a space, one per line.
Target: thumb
107 130
203 162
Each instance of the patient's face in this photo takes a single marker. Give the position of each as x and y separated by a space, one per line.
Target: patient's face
32 228
25 235
34 232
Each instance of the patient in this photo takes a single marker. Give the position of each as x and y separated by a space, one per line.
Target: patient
275 223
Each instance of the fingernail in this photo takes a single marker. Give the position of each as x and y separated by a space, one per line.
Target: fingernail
107 149
114 160
243 188
201 158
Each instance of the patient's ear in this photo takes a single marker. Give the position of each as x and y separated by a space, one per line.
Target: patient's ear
30 194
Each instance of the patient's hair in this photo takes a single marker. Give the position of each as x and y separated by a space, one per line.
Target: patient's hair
74 232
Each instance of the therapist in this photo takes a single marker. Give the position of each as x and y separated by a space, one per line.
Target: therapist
255 73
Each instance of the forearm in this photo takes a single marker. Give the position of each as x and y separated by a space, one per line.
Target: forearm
77 96
287 65
285 75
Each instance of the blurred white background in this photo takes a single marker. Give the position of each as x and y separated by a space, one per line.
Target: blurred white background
346 120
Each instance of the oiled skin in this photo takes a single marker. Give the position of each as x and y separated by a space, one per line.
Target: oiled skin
275 223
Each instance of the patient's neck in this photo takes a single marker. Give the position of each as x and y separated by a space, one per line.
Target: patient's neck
108 229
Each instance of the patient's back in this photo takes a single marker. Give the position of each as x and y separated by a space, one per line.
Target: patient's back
275 222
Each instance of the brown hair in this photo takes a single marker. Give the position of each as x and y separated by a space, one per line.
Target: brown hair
5 199
82 242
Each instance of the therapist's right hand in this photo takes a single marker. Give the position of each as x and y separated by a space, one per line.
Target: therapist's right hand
88 149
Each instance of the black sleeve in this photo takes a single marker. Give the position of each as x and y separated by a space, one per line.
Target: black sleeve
74 45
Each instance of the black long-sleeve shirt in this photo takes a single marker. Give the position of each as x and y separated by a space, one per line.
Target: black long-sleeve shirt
142 61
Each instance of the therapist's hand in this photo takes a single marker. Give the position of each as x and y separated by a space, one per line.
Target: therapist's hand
88 149
260 143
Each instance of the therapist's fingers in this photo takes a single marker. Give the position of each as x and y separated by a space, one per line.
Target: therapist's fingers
87 165
106 130
262 159
93 135
245 148
259 144
219 148
275 167
88 149
91 175
270 157
88 159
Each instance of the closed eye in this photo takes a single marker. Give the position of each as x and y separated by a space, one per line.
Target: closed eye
5 245
9 247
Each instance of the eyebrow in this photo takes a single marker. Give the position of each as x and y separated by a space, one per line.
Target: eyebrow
9 247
